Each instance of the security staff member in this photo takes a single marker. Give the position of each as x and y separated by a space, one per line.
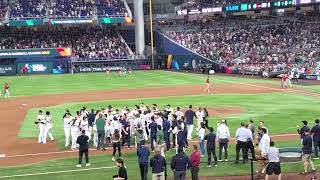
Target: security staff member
211 146
241 137
315 131
83 148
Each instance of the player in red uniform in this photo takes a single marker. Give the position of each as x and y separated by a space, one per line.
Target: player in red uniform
207 87
6 90
284 80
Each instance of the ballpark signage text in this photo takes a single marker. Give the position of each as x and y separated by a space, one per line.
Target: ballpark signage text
53 52
7 70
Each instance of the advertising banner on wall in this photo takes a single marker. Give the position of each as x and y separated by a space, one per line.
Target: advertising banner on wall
6 70
98 69
16 53
36 67
29 22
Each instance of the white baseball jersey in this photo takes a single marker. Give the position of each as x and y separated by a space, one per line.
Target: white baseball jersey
67 122
179 114
41 118
200 115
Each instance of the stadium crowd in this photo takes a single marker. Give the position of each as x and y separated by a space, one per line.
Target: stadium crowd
24 9
261 45
62 8
86 42
110 7
71 8
3 9
170 129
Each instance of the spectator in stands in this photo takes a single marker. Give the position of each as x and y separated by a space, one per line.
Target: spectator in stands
86 42
28 9
276 45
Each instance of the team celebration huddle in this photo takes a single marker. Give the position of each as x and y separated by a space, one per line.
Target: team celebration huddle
166 129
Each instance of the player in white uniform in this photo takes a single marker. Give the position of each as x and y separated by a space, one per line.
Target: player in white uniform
84 125
41 121
179 113
200 116
75 130
67 120
169 108
48 127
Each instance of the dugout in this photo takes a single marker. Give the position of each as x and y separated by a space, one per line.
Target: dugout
35 61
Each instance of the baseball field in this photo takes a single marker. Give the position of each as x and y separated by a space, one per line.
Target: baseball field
236 99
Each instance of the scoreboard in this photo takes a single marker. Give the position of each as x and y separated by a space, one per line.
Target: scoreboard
242 7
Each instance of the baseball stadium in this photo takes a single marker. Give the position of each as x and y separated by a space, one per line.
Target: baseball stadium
159 89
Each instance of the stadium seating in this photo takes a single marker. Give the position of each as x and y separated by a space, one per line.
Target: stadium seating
71 8
63 8
110 8
255 44
88 42
3 9
28 8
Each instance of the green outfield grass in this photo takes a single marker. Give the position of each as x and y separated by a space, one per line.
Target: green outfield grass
53 84
281 112
223 169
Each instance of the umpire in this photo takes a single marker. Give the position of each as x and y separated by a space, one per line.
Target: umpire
83 148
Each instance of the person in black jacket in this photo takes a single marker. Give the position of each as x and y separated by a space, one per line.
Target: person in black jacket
153 132
181 138
303 129
179 165
122 173
174 124
83 148
315 131
158 165
306 152
211 146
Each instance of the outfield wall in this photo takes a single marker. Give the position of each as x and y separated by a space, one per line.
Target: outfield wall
35 61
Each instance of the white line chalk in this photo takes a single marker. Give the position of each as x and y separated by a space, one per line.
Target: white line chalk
54 172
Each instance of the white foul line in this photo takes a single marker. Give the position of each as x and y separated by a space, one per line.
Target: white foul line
54 172
46 153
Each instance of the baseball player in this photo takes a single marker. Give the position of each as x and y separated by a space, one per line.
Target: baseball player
41 121
75 130
108 71
67 120
48 127
207 86
200 117
6 90
284 80
179 113
84 126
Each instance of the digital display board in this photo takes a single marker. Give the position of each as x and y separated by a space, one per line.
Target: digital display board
194 11
232 8
208 10
30 22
